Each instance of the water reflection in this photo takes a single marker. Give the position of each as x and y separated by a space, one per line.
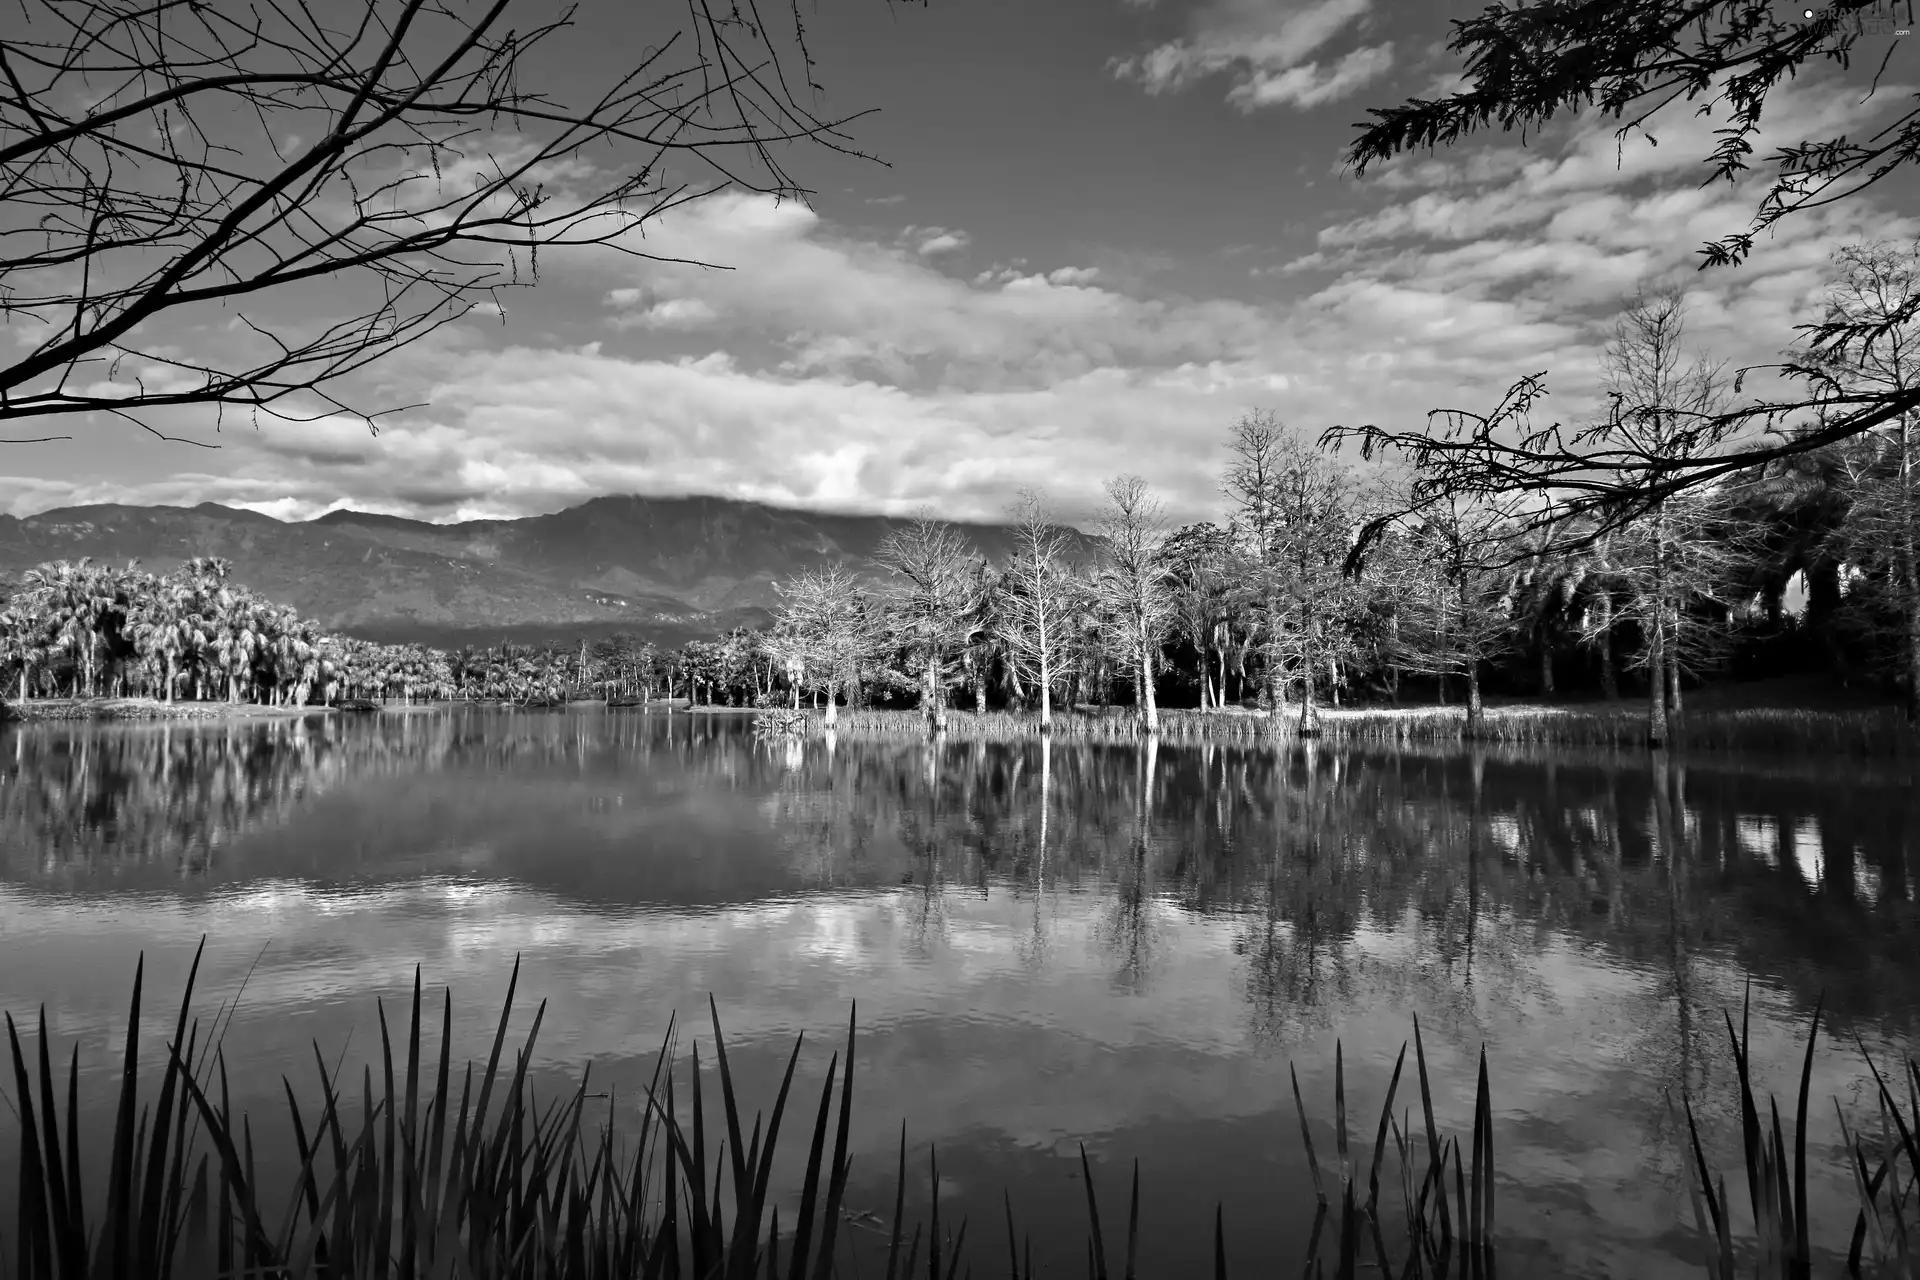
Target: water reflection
1048 942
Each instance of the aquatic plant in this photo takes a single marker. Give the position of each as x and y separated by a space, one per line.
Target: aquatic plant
493 1183
1885 1240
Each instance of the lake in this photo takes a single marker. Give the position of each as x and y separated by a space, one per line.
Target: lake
1121 946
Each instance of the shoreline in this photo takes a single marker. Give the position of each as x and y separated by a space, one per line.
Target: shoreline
1873 732
1869 732
35 710
138 710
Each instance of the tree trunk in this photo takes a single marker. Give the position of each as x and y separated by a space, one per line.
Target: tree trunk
1273 664
1149 711
1046 692
1910 565
1309 713
1546 667
1476 709
1220 653
1393 668
833 711
1673 686
936 704
1657 685
1609 677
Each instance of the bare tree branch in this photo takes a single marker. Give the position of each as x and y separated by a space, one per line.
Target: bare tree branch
162 160
1526 65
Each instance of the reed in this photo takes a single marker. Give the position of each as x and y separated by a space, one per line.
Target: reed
420 1186
1848 733
487 1181
1885 1240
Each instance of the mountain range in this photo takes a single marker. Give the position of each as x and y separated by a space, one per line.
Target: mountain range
670 569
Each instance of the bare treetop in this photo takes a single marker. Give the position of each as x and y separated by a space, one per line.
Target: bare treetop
167 162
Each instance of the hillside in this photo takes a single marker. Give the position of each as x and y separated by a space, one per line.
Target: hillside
671 568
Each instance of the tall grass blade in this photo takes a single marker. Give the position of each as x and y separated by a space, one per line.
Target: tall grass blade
1802 1258
810 1188
1306 1137
933 1230
1093 1218
1133 1225
837 1184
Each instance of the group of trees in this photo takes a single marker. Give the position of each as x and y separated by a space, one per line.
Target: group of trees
81 629
1329 579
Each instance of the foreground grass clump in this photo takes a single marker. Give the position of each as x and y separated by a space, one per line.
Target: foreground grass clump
1851 733
421 1186
1886 1230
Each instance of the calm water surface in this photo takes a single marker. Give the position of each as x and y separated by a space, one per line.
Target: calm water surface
1121 946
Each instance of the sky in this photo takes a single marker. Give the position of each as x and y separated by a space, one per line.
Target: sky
1103 231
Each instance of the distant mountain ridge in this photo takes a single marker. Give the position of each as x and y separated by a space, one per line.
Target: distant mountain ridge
668 567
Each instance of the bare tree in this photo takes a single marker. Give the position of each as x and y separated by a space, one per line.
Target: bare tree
933 603
1453 588
1133 583
786 651
823 610
1300 525
1257 446
1677 549
171 169
1035 615
1877 285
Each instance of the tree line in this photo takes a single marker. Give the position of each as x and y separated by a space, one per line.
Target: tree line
1330 580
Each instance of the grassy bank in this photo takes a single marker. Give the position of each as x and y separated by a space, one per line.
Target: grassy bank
1873 732
147 709
420 1180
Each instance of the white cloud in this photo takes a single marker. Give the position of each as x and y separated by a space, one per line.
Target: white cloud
1268 48
836 370
945 242
836 305
675 313
531 429
1308 85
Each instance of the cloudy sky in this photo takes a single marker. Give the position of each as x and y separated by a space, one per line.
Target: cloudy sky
1105 229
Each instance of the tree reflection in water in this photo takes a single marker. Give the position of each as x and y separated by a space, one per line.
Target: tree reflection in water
1065 939
1439 879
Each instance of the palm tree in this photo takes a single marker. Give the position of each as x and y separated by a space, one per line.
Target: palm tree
18 642
61 594
155 627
